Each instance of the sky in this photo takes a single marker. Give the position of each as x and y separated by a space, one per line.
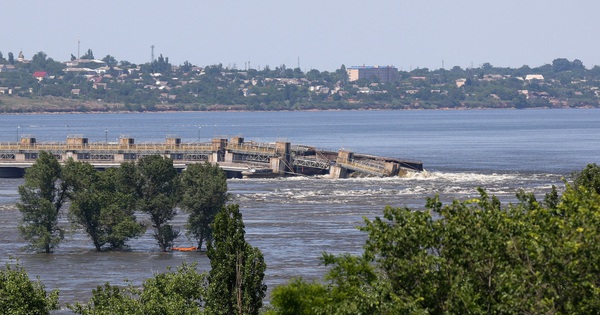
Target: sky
314 34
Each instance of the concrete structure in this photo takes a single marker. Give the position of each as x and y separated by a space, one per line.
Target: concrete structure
381 73
236 156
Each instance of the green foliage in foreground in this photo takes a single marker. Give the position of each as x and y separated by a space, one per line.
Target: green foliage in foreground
233 286
20 295
237 269
469 257
179 292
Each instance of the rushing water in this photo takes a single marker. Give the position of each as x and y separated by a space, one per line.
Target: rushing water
293 220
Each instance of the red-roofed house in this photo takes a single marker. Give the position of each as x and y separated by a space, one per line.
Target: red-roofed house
40 75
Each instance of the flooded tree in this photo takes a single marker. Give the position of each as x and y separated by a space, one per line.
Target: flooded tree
157 193
204 193
101 204
42 197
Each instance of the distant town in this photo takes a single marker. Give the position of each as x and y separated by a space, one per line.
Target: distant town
89 84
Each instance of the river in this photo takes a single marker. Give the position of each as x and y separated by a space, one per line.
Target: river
294 220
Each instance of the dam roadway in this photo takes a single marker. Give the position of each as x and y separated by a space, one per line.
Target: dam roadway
239 158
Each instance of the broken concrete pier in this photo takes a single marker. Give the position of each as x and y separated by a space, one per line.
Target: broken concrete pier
239 158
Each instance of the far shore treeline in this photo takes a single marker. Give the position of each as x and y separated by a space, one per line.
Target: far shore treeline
476 256
90 84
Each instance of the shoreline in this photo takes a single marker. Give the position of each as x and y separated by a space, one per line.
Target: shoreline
14 105
90 112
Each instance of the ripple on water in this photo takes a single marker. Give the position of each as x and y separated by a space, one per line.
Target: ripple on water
292 221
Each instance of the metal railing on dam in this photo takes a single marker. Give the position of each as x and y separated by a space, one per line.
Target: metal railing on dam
236 156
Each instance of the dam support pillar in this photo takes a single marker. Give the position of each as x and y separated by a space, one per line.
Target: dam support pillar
232 157
20 157
391 168
218 147
337 172
282 163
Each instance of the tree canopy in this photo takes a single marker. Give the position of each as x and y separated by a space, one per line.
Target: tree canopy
157 192
42 197
233 285
19 295
204 193
237 269
102 203
168 293
468 257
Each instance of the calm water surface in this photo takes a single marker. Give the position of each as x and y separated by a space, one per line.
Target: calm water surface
293 220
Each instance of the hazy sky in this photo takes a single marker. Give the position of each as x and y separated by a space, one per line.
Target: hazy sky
322 34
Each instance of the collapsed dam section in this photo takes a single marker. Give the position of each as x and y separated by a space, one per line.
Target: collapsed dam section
239 158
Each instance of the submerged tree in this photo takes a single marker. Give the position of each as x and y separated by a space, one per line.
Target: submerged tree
100 206
157 192
42 197
204 193
237 269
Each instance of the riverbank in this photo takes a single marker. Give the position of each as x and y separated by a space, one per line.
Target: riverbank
59 105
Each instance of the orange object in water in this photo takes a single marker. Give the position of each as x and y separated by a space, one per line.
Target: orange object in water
185 249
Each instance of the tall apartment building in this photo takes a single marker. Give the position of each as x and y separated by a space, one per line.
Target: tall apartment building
384 74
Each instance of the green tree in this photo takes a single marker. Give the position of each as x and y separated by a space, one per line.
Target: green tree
110 61
186 66
299 297
20 295
38 61
467 257
100 206
157 187
204 193
11 58
89 54
233 286
588 178
237 269
42 197
119 215
169 293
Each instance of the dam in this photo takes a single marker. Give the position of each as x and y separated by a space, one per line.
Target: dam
238 157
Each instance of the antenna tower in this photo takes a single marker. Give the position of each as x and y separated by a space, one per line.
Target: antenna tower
152 53
78 45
